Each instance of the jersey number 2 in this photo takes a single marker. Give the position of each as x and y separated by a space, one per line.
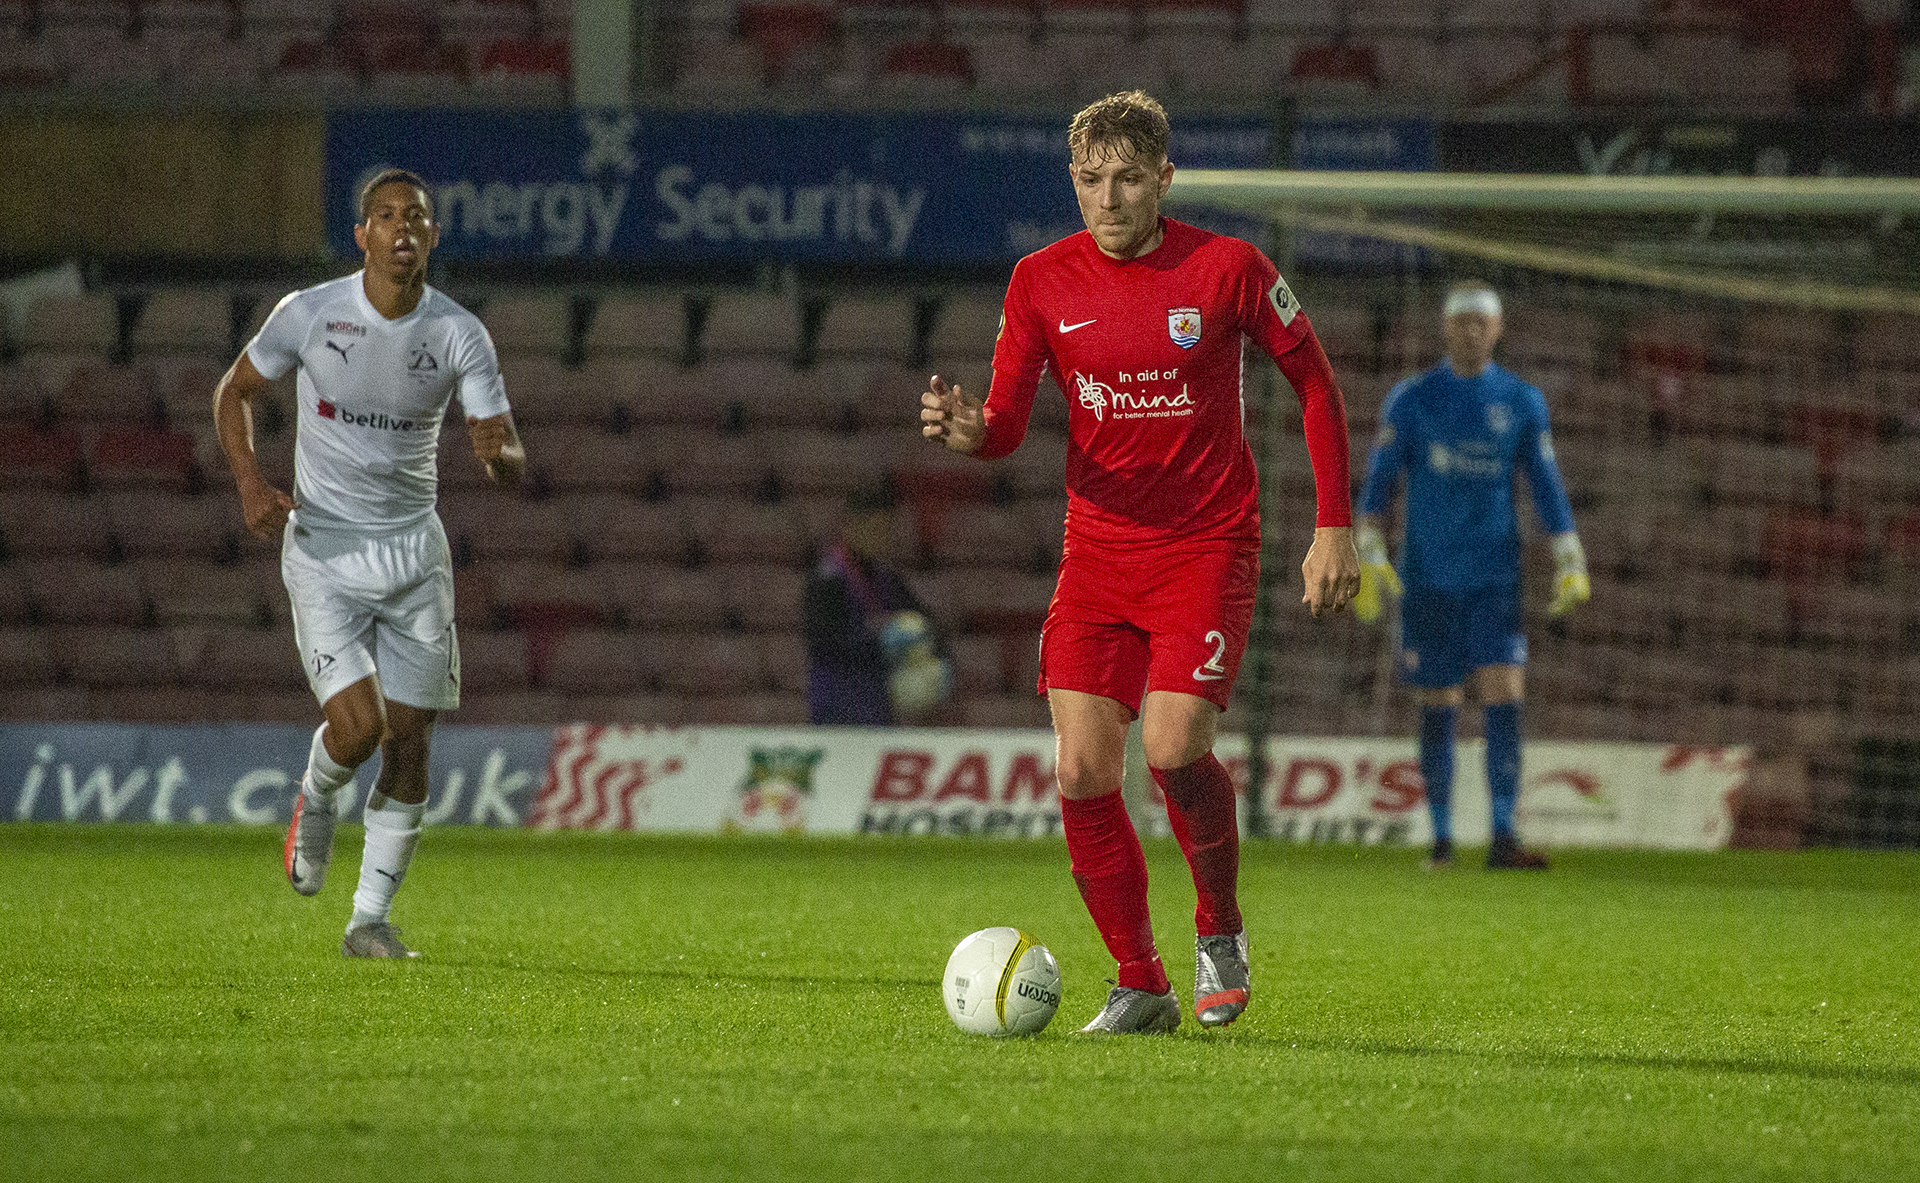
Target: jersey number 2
1211 670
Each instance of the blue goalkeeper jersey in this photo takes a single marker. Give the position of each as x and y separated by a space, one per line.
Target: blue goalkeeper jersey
1460 441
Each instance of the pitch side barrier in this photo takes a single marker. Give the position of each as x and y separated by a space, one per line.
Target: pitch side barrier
848 780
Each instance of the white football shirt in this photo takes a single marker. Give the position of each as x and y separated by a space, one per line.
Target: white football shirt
372 395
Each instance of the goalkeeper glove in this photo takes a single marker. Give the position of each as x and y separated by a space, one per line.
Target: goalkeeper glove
1570 583
1376 573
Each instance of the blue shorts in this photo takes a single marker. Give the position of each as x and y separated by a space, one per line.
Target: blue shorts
1444 636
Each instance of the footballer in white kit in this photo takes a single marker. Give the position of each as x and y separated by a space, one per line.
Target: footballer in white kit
378 355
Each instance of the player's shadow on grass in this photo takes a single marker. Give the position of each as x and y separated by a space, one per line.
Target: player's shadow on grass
1750 1067
691 976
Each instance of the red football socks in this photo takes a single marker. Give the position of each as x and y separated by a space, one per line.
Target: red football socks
1111 871
1206 821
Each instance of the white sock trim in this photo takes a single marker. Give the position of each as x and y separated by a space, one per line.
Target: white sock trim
325 778
393 830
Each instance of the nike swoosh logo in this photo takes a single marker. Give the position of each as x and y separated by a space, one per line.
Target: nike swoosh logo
1067 328
388 874
1200 677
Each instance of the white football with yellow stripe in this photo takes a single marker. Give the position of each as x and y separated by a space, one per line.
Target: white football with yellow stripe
1000 981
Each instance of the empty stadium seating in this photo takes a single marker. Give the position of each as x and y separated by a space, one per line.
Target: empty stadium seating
1754 564
1606 53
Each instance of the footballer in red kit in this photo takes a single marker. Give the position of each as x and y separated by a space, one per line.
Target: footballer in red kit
1141 320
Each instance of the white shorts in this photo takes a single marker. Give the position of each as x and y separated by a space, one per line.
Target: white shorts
367 603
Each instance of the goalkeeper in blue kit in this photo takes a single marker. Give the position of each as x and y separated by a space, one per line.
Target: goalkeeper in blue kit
1459 432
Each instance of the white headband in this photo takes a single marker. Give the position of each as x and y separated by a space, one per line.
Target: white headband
1473 300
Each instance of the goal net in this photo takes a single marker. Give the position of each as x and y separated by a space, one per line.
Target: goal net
1732 366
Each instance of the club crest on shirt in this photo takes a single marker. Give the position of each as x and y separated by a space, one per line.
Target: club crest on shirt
1499 418
1183 325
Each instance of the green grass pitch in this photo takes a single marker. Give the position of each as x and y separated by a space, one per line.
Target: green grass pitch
595 1007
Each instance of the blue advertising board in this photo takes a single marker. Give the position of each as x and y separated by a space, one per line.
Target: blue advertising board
940 187
243 772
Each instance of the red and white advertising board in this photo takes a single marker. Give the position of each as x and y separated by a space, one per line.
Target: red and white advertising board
845 780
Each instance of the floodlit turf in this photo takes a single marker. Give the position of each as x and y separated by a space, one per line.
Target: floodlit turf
713 1009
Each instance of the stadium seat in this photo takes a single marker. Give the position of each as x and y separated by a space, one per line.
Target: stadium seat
577 459
710 663
26 657
1039 465
783 659
155 523
977 666
1003 601
765 392
251 659
38 522
1023 710
87 324
739 531
492 661
828 462
651 596
524 71
537 595
538 323
189 592
869 326
211 65
771 709
505 526
535 378
977 535
74 591
476 20
118 657
693 460
143 457
719 66
751 323
966 325
1812 546
620 528
474 605
1007 61
185 320
643 322
615 390
763 596
929 71
97 393
599 661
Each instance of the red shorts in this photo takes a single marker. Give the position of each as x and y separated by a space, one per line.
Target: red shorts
1121 627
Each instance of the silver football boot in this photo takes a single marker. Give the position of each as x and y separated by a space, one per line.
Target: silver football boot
375 940
1135 1012
1222 983
309 845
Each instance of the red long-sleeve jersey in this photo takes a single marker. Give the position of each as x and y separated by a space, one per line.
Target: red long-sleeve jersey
1148 354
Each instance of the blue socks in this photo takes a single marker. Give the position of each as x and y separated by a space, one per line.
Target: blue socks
1503 764
1436 768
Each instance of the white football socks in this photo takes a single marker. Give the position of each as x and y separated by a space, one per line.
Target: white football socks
325 778
393 829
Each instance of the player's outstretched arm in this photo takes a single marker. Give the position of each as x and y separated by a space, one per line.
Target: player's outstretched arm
496 441
949 416
1331 571
264 506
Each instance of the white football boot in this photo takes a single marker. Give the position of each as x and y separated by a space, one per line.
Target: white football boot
309 843
1222 983
1135 1012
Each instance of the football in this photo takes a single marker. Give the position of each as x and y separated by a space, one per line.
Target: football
1000 981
